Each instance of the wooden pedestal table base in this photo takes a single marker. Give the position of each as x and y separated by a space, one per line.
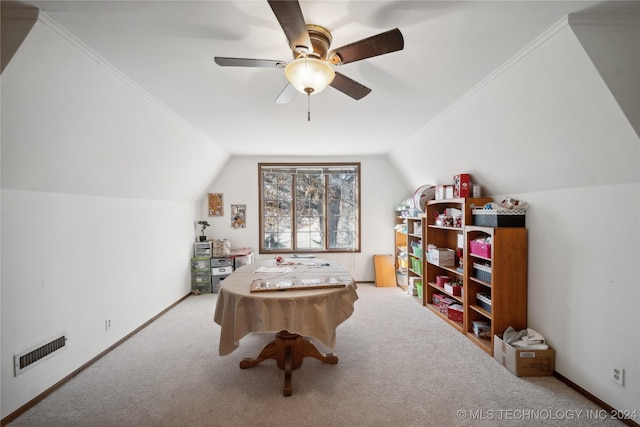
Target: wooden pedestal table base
288 350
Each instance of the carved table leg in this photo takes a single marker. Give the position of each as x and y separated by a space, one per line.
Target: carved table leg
310 350
288 350
268 352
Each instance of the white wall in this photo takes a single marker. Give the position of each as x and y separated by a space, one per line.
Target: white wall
99 189
546 129
584 281
70 262
381 189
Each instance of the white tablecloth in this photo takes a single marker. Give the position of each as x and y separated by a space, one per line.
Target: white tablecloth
308 312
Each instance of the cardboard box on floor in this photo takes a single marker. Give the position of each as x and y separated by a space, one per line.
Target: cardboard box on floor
523 363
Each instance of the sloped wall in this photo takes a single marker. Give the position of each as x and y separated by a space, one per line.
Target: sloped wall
73 124
546 129
99 198
544 121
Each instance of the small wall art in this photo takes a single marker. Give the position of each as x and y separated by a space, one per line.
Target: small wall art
215 204
238 216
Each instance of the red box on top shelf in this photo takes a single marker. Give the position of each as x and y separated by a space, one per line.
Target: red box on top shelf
462 185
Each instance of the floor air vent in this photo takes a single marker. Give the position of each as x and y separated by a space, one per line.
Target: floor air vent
29 358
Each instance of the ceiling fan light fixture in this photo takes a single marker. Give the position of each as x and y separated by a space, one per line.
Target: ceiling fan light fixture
309 75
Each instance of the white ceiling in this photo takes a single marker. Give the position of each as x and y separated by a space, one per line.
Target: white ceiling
167 48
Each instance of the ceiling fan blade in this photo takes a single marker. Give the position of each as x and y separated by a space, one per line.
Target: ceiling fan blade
291 20
387 42
245 62
287 95
349 87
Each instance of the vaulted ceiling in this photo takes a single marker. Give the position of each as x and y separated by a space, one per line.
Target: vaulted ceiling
167 49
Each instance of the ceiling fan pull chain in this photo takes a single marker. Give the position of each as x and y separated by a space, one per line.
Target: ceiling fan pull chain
308 91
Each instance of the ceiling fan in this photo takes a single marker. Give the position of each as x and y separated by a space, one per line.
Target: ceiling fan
311 70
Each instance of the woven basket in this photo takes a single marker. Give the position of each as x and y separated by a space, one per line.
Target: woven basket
498 217
482 272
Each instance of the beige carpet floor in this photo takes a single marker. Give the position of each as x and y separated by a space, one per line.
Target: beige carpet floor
399 365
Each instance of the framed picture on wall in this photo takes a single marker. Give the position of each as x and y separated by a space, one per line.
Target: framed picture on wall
238 216
215 204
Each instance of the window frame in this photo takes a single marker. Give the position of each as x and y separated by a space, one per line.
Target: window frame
326 241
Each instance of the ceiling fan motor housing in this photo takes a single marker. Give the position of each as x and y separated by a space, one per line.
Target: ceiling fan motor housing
320 42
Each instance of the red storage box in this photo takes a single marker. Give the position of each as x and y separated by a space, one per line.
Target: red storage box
455 313
455 290
442 280
481 249
462 185
444 305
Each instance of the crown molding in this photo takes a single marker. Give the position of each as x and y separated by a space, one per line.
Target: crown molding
532 46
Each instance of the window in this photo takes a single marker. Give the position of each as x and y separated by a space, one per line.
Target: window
309 207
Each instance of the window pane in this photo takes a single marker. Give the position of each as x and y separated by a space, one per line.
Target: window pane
277 240
345 240
309 233
342 211
309 210
309 195
277 213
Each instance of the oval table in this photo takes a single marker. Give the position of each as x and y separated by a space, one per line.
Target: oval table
294 299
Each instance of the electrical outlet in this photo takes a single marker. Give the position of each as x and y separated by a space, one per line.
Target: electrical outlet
107 324
617 374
